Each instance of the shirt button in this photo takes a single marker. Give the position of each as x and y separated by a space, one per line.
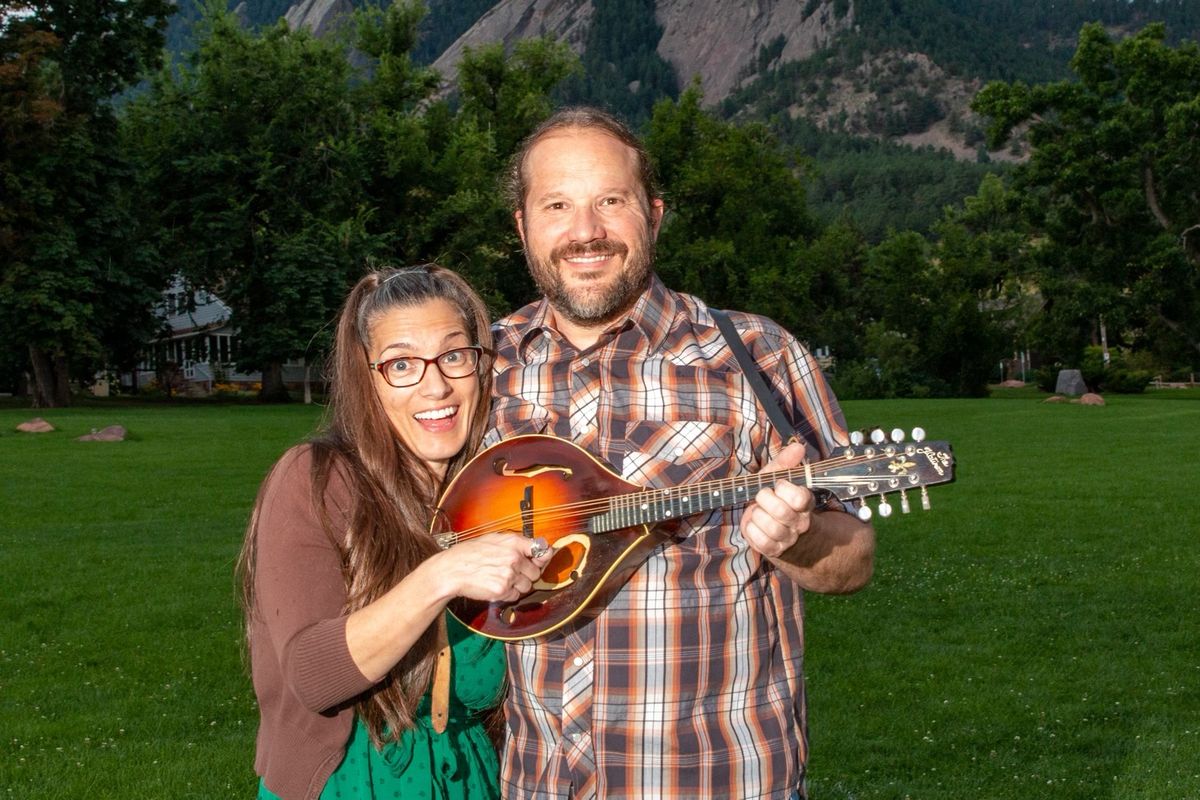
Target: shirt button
578 661
587 362
576 737
678 451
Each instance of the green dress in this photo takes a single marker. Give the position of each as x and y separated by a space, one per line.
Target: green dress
459 764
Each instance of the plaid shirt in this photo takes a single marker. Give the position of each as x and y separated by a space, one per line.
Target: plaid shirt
690 683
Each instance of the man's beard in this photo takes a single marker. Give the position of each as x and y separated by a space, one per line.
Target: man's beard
602 304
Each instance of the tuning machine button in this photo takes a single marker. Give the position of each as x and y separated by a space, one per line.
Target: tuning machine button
864 512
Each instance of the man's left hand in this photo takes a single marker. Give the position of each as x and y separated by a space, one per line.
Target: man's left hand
781 514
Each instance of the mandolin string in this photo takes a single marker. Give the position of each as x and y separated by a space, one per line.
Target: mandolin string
571 510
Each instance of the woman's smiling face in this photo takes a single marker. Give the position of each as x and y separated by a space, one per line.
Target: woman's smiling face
433 416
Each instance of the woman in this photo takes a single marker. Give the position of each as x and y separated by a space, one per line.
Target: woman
345 590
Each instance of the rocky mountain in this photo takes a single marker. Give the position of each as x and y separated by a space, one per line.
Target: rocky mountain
902 72
874 93
717 41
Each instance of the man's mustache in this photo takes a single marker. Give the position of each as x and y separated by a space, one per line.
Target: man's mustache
598 248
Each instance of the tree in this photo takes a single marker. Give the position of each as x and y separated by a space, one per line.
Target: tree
252 156
77 275
1110 188
445 204
737 221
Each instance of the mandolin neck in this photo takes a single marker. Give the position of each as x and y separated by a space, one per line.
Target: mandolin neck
858 472
652 506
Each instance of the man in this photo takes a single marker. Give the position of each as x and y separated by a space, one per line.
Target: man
689 683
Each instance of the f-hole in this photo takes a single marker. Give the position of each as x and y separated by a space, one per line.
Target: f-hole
527 513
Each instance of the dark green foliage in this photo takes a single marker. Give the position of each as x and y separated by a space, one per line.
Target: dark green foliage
446 21
932 318
879 185
622 70
889 187
737 217
1110 190
1002 39
1116 376
77 278
445 204
252 157
279 173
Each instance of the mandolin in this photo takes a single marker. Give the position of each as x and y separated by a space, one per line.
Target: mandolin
602 527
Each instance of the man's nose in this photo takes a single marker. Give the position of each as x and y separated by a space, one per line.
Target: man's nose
586 224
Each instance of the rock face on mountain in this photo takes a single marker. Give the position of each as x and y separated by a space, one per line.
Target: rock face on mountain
717 40
319 16
513 20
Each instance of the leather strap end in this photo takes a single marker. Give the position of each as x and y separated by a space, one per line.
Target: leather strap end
439 712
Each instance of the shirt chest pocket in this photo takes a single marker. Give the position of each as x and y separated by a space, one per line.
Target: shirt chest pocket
669 453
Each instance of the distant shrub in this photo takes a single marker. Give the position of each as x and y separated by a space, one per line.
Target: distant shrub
1047 377
1126 381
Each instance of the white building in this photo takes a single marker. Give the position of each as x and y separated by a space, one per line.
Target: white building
199 347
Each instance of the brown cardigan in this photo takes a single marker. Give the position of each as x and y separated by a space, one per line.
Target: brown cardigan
302 670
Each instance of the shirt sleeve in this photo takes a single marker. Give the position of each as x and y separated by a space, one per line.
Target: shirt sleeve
299 589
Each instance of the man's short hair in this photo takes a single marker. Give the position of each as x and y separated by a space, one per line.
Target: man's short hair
584 118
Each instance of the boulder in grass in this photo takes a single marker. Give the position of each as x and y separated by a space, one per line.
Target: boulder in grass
113 433
1091 399
1055 398
1070 381
35 425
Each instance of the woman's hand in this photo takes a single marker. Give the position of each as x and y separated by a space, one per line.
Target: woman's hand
495 566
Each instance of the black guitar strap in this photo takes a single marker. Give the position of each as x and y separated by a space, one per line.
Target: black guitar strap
774 413
779 420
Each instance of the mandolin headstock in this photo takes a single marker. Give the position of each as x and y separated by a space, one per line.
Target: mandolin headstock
879 465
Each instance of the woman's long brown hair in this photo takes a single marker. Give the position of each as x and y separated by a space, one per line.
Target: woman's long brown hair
392 491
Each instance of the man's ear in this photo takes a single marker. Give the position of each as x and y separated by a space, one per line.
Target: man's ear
657 210
519 218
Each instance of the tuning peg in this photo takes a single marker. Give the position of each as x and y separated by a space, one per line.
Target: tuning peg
864 512
878 436
924 499
918 434
904 507
857 438
885 508
897 435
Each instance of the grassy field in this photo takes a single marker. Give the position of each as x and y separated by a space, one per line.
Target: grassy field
1035 635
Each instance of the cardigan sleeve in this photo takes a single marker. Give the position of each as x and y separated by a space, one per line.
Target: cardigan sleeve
299 589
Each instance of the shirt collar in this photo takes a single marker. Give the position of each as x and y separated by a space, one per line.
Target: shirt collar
652 314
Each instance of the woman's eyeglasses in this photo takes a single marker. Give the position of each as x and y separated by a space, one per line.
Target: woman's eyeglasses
409 370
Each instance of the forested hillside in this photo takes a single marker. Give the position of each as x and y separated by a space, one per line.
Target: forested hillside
272 163
882 115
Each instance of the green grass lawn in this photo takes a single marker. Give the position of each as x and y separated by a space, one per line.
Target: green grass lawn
1034 635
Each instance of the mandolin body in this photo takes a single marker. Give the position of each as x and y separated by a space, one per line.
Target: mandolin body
541 486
